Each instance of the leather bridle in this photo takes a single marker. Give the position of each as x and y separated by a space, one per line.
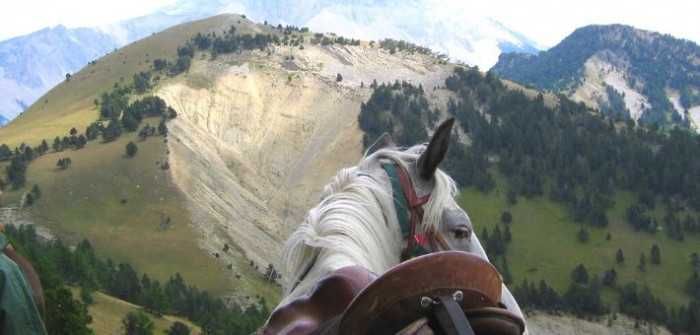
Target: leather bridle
409 211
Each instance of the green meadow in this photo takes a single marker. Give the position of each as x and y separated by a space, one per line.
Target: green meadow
121 205
107 313
545 244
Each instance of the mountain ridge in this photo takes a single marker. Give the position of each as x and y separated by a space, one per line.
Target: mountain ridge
658 67
31 64
475 43
248 99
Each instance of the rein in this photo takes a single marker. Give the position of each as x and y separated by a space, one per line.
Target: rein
409 212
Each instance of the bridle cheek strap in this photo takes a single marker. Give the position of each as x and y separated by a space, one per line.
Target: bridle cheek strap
407 200
415 207
434 235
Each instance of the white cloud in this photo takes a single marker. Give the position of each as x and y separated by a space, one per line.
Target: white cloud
545 21
26 16
550 21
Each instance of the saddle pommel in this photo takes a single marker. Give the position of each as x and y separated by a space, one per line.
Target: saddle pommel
328 299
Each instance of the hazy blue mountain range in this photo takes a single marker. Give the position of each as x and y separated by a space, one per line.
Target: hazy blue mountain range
650 77
30 65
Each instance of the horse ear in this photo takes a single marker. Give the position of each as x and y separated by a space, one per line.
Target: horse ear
437 149
383 141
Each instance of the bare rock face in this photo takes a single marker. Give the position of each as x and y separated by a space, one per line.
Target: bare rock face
259 134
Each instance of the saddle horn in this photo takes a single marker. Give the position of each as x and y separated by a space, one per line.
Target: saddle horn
431 158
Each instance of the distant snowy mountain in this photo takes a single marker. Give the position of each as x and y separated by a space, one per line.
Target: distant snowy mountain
462 35
31 65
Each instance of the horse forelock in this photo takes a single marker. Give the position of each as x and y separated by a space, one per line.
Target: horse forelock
442 197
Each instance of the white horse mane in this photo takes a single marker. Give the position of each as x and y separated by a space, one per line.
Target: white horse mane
355 222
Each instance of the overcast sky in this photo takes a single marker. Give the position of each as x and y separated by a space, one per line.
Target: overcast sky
545 21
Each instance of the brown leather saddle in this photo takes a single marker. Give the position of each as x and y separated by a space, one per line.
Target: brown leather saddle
449 292
328 299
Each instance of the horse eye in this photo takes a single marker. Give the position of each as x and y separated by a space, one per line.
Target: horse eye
461 233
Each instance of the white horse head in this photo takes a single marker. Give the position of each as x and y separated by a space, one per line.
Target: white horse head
358 220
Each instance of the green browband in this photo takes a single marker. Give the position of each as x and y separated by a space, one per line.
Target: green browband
402 210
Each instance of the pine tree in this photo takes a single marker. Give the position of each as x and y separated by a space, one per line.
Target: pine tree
81 142
178 328
112 131
583 234
506 217
131 149
29 199
162 128
56 146
507 276
64 163
580 274
73 317
36 191
44 147
17 172
619 258
609 277
137 323
655 255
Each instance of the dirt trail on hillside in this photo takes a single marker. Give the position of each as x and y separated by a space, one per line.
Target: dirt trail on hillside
252 149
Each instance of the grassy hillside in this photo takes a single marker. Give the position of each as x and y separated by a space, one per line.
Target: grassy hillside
545 244
107 313
570 169
71 103
111 200
128 208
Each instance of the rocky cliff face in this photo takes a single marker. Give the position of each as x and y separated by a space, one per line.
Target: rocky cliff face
258 137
